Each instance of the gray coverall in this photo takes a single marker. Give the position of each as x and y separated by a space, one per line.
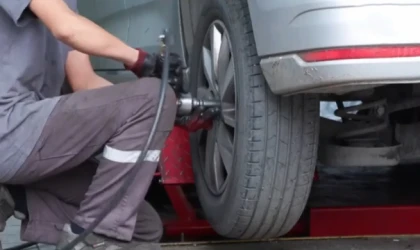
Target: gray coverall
46 139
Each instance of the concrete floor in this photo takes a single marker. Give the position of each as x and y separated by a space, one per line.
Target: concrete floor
336 244
10 237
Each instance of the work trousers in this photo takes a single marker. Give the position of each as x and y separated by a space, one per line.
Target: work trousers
63 186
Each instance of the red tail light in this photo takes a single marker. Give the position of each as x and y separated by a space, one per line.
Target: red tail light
360 53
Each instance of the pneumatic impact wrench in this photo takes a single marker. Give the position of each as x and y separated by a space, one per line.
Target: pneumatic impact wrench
193 113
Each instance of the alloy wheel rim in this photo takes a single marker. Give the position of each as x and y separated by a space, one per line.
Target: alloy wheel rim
218 81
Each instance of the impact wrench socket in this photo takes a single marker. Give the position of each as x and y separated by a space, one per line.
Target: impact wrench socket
187 104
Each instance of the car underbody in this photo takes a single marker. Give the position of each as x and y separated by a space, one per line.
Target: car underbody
377 130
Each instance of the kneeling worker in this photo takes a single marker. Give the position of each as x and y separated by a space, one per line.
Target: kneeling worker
46 140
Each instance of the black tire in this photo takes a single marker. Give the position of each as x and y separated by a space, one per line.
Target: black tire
276 150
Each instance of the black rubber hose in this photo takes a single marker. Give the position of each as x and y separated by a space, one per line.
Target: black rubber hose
118 197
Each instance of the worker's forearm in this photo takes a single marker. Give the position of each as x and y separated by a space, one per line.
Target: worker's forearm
85 36
80 33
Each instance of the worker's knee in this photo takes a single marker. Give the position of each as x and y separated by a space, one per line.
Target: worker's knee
170 106
155 93
142 98
153 88
169 110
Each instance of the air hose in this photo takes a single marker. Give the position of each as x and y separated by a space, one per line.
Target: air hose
130 179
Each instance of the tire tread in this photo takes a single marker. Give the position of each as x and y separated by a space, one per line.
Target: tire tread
292 116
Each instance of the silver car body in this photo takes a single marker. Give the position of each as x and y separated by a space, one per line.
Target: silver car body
285 27
282 29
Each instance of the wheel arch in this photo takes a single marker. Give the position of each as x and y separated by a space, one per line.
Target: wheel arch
190 13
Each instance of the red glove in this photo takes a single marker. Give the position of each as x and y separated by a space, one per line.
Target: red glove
145 65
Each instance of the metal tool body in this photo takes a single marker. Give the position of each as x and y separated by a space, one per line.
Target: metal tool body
195 114
188 104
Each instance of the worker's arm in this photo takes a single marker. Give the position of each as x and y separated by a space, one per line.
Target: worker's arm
80 33
80 73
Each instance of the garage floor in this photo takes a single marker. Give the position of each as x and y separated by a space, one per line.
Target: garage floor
344 244
11 237
336 187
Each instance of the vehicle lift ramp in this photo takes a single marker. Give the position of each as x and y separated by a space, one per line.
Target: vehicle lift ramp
323 223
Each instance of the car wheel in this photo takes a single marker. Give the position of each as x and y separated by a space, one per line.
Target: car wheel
254 168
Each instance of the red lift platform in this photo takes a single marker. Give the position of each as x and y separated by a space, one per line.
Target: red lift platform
176 171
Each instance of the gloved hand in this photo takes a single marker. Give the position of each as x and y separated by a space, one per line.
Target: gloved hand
144 66
151 65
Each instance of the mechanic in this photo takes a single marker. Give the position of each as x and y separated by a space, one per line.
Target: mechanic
47 140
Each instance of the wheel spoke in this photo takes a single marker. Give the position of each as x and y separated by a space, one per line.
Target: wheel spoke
210 152
215 41
227 84
229 114
218 173
213 165
208 67
225 146
227 96
223 60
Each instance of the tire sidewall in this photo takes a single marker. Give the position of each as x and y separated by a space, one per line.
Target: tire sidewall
221 211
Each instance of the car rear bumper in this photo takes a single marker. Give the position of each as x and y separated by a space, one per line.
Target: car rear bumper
282 29
290 74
